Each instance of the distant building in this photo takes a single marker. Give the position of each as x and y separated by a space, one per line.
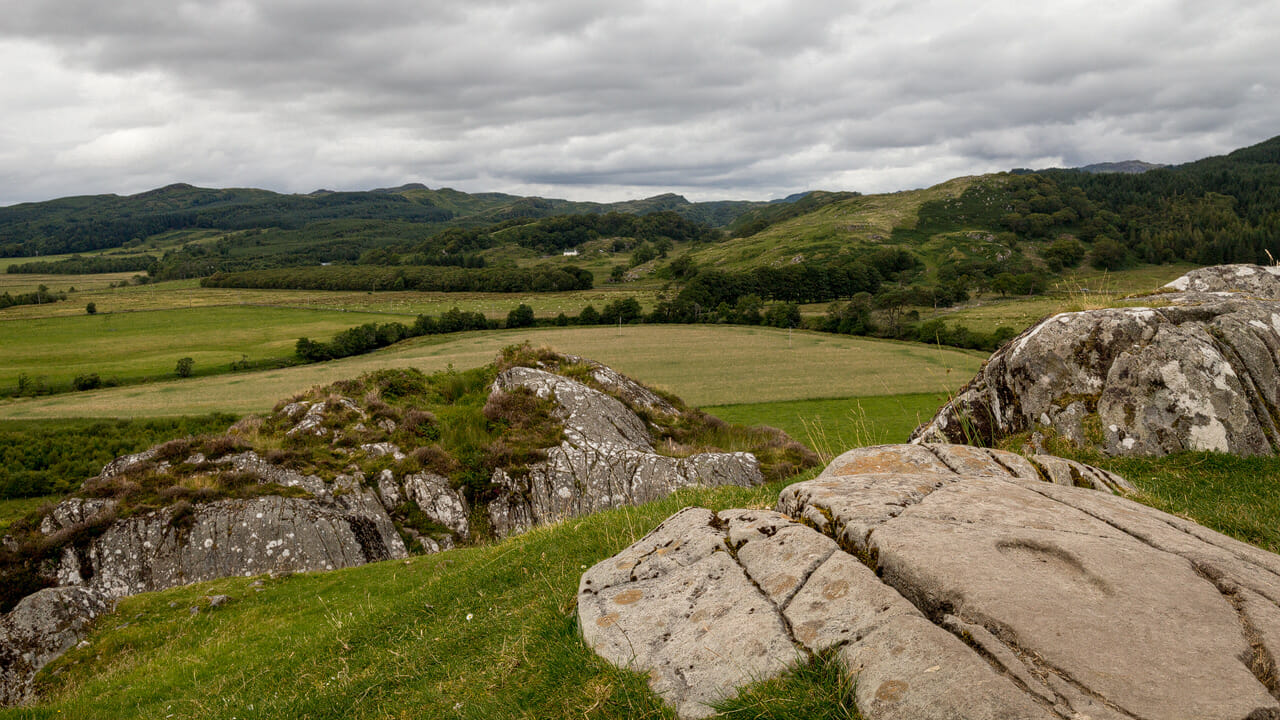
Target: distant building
571 253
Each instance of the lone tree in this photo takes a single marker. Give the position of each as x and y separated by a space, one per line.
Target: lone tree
185 366
522 316
91 308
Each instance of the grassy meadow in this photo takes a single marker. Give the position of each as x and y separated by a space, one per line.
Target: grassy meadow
134 345
178 294
705 365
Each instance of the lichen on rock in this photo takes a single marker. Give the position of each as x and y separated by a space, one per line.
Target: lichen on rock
1199 369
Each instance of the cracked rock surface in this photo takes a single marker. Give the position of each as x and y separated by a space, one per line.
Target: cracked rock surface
606 458
1199 369
952 582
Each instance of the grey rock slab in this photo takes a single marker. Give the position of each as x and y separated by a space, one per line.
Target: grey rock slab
842 602
1261 280
439 501
1082 586
41 627
910 669
1061 471
691 618
956 595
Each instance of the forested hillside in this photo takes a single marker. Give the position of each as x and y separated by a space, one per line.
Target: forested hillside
97 222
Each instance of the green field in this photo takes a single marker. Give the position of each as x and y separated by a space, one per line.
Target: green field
177 294
1079 290
704 364
128 346
832 426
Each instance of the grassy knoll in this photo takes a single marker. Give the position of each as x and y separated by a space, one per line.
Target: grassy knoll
837 228
704 364
129 346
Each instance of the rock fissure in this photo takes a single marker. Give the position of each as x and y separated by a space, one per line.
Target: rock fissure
778 609
1006 660
1260 660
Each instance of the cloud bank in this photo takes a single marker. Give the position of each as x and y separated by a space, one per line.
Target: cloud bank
588 99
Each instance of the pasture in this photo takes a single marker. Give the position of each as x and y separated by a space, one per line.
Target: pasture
177 294
131 346
704 364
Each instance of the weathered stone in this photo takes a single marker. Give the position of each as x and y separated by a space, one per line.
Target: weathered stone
41 627
126 462
964 592
1260 280
376 450
235 537
267 472
606 460
438 501
314 414
76 511
1198 370
698 626
631 392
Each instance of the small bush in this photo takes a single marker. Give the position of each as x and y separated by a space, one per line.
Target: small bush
87 382
185 367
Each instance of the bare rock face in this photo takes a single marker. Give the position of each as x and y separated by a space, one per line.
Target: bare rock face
41 627
231 537
606 459
952 583
1197 370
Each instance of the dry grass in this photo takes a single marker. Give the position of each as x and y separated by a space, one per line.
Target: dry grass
705 365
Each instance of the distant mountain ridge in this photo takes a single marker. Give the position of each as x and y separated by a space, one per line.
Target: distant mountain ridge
96 222
1124 166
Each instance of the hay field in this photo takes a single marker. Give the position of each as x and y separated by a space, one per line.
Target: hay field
705 365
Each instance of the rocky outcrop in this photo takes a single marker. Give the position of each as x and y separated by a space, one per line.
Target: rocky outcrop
606 458
164 549
951 582
1198 369
323 484
41 627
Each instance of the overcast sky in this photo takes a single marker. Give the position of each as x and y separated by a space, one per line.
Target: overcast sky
603 100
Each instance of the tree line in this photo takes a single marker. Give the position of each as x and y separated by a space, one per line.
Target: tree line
79 265
437 279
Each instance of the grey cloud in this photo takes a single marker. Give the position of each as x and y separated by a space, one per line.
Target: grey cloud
583 98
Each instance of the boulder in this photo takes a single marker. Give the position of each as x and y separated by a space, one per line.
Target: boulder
951 582
605 460
1197 369
41 627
